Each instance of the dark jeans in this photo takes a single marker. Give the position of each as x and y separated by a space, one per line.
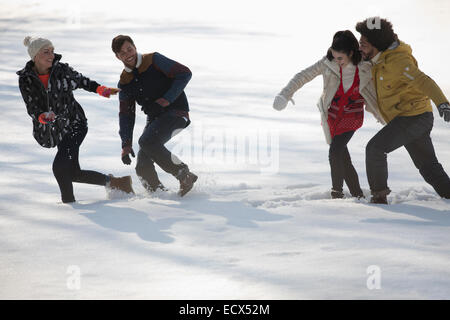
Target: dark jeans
414 134
66 166
152 150
341 165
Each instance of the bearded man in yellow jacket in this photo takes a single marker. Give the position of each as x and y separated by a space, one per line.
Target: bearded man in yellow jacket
403 94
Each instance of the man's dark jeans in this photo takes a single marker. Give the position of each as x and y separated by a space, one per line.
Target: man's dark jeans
152 150
414 134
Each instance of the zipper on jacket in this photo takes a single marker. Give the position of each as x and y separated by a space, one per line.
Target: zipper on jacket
48 88
43 87
34 74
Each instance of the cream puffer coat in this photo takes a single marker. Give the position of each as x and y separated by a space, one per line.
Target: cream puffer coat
331 80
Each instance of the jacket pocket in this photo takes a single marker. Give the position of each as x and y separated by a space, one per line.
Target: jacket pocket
387 83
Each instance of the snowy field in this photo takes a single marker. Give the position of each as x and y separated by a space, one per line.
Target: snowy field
259 223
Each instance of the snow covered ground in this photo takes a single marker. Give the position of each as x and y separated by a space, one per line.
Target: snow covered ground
260 223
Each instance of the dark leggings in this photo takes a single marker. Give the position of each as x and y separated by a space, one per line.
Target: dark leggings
66 167
341 165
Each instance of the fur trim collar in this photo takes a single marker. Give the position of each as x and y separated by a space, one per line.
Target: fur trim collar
138 63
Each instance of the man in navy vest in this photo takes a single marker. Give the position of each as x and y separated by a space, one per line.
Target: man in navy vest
157 84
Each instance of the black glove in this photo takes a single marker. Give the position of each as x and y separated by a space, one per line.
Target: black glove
153 110
444 111
126 151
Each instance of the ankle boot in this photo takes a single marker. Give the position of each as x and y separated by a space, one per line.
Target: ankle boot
380 197
335 194
187 180
121 183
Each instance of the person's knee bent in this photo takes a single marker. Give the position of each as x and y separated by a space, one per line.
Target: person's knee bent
374 150
76 175
149 144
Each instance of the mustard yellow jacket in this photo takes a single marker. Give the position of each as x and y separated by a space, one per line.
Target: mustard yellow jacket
402 89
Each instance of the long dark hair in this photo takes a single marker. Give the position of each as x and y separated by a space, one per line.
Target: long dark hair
345 42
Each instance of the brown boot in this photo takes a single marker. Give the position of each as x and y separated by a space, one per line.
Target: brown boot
187 180
122 184
336 194
380 197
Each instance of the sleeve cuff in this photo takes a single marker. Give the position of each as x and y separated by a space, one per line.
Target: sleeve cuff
127 143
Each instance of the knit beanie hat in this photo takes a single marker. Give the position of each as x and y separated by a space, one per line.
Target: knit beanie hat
35 44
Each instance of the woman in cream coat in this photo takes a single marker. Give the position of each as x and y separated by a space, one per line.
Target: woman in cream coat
347 86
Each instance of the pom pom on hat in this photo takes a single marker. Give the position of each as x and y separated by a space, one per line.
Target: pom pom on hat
35 44
27 41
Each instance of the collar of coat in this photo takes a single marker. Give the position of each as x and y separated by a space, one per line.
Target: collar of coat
143 62
28 69
394 48
138 63
364 67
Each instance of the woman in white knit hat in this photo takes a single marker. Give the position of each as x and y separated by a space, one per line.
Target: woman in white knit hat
47 87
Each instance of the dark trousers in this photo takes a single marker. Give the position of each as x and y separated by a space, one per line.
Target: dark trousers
341 165
152 150
66 166
414 134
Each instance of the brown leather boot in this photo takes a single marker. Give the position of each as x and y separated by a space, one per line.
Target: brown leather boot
187 180
122 183
336 194
380 197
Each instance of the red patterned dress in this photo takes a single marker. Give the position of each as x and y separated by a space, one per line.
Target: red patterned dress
346 112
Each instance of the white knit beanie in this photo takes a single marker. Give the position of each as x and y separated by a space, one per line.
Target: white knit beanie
35 44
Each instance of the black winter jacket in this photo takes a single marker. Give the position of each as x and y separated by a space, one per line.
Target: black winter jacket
57 98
